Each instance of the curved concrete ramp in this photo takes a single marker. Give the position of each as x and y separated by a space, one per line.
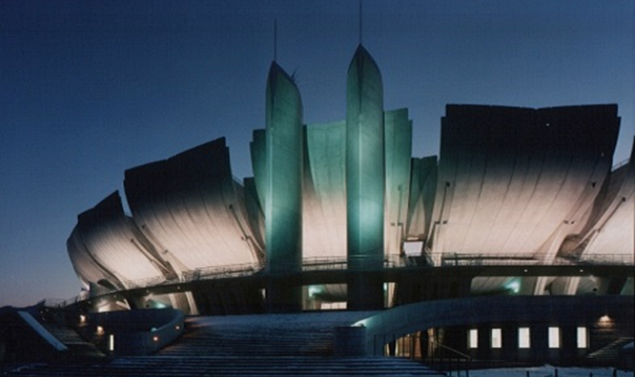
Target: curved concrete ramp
408 319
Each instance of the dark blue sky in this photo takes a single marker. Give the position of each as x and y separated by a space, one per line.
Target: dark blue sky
91 88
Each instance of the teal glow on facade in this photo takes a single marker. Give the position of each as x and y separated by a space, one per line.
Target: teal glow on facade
325 196
333 209
398 152
283 185
365 178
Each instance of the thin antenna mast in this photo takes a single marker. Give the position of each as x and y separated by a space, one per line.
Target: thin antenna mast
360 22
275 40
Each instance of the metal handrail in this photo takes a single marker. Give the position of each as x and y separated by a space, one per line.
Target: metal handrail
342 263
458 361
459 356
482 259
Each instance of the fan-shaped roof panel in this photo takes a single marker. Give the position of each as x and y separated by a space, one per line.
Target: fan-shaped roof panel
509 177
110 240
189 207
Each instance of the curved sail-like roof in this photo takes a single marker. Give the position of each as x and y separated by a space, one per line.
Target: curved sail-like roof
190 208
511 180
510 183
106 245
86 267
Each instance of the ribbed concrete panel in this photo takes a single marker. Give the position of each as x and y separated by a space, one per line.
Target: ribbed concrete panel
398 152
255 214
365 178
423 183
189 207
325 198
589 134
612 237
513 181
116 245
249 227
284 167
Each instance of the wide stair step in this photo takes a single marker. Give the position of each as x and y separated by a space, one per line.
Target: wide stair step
78 347
610 354
257 336
234 366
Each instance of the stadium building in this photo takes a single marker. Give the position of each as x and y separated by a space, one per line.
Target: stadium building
516 242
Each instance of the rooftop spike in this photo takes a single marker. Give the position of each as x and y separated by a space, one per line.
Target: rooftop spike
360 22
275 40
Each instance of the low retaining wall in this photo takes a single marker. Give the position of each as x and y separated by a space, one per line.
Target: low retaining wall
566 312
136 332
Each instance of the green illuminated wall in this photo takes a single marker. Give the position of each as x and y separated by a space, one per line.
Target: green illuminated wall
398 151
283 186
325 198
364 179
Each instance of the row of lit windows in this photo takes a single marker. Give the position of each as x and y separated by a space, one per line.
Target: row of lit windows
524 337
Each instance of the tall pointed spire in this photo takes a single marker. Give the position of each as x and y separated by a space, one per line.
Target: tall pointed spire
365 179
283 187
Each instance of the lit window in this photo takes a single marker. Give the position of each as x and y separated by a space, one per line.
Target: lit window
473 338
554 337
582 337
523 337
497 338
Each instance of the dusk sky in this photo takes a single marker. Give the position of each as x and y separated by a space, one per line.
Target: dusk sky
89 89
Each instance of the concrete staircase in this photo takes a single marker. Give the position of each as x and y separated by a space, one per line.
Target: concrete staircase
78 348
610 354
272 345
253 336
172 366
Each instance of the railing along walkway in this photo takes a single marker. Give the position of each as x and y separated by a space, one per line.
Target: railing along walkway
393 261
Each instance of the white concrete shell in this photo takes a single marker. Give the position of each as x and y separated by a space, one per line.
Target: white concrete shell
513 181
106 245
193 210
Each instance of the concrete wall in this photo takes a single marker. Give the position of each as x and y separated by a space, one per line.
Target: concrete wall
135 332
611 314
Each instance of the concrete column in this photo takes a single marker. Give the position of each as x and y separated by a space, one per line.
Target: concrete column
283 189
365 180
